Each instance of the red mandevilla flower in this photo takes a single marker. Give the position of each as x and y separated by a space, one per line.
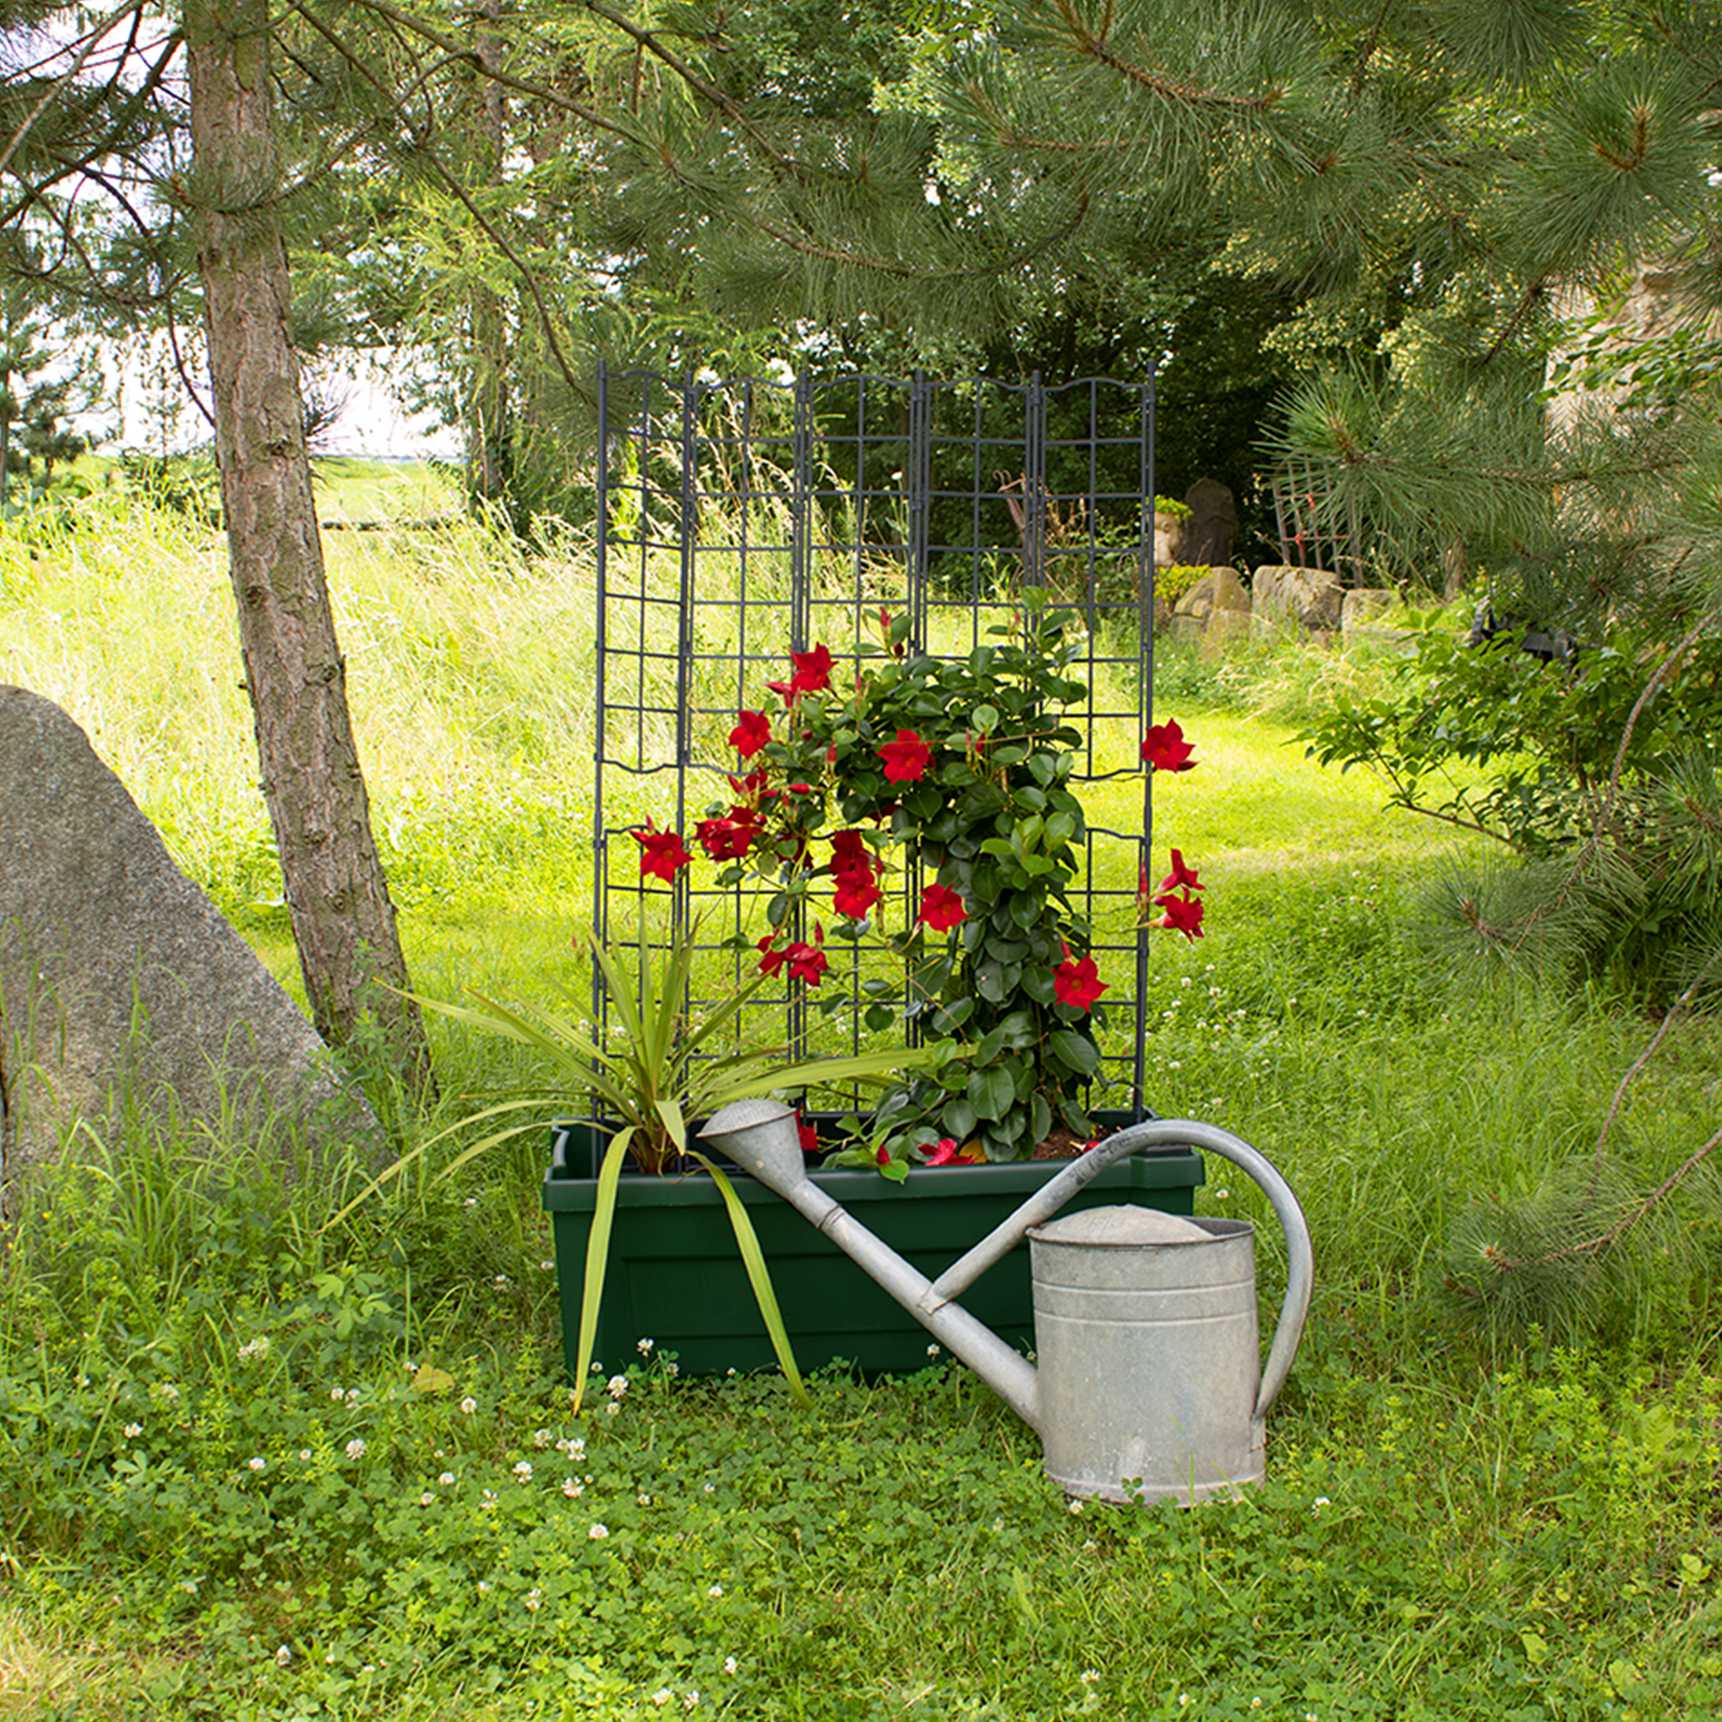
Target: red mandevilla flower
942 908
1183 915
906 759
662 855
812 670
809 1135
725 839
1077 983
1165 749
807 964
855 895
751 733
849 851
945 1152
771 958
1181 878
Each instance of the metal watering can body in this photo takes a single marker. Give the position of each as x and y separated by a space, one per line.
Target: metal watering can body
1148 1385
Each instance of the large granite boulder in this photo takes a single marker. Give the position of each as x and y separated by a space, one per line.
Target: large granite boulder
1302 597
120 982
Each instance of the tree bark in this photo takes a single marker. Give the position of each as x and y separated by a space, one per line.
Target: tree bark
343 919
489 436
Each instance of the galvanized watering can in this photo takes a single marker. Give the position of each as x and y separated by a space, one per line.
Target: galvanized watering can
1148 1385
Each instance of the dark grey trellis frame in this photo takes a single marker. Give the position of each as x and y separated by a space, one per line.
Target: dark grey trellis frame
675 456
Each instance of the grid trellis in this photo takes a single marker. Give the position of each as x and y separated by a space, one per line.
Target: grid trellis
739 520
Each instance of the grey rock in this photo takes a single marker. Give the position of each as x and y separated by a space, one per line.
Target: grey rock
1218 589
1363 606
1225 628
1213 522
120 982
1308 597
1186 628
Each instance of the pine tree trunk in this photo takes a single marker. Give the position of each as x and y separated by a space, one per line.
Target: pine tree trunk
489 433
343 919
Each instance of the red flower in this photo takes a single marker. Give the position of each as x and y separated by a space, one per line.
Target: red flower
883 1157
849 851
945 1152
1165 748
942 908
855 895
751 733
1077 984
751 793
785 691
725 839
771 958
1181 878
809 1135
661 854
812 670
800 788
831 754
906 759
1183 915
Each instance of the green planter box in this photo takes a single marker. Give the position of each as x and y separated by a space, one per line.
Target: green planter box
675 1276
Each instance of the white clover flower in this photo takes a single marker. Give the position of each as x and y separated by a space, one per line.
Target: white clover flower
484 1587
427 1499
662 1696
305 1454
597 1367
547 1267
711 1488
1089 1676
730 1665
446 1479
577 1448
692 1701
598 1533
541 1438
132 1431
502 1282
1074 1507
356 1448
468 1405
1255 1704
613 1407
573 1488
715 1590
730 1370
1321 1501
1222 1195
534 1600
523 1469
283 1655
933 1350
169 1391
616 1386
256 1462
644 1499
488 1504
352 1396
470 1202
83 1380
644 1346
337 1394
255 1347
672 1369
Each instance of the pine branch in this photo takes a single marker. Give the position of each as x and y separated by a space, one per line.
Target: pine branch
1094 43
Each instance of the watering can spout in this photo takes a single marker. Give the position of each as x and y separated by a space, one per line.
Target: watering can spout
762 1137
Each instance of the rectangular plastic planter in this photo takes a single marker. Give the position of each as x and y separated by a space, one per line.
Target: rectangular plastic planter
676 1278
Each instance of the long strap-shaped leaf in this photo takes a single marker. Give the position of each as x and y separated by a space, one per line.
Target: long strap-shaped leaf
753 1259
598 1258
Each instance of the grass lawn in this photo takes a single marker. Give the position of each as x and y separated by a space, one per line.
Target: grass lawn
224 1494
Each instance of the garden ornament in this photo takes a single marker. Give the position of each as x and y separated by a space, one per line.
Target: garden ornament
1146 1384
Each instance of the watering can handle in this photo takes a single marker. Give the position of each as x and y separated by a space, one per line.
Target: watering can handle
1163 1133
